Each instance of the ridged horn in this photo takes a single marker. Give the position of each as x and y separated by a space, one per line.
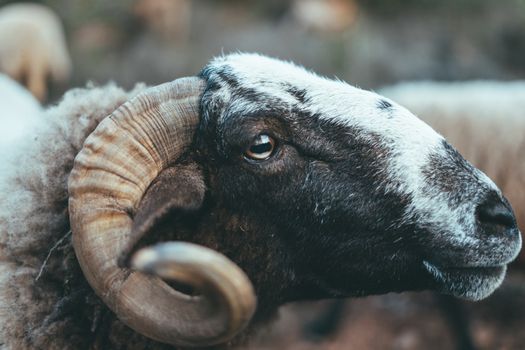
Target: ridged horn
115 167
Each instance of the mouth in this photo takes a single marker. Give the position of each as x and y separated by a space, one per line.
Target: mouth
467 282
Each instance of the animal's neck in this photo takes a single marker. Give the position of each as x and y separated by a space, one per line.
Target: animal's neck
256 245
256 248
253 243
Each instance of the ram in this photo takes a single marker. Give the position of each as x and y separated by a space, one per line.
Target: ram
199 206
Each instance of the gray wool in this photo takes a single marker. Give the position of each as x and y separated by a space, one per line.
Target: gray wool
45 302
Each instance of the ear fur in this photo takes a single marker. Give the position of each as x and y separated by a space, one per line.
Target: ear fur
179 188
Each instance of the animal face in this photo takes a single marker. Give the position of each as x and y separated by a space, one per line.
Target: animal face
365 196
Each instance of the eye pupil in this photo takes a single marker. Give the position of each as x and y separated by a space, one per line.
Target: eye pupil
261 148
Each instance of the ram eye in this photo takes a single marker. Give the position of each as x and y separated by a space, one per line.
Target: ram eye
261 148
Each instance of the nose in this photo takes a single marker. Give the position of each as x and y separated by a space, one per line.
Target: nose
496 216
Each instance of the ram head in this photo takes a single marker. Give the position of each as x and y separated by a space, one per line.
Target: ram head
258 178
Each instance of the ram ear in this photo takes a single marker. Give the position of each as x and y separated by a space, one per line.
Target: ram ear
176 190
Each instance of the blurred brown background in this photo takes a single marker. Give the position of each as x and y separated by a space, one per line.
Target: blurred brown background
370 43
367 42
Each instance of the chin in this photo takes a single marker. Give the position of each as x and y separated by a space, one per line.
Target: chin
470 283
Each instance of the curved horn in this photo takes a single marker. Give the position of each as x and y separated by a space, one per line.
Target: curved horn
112 172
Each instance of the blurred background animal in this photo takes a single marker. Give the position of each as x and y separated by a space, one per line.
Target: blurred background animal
33 47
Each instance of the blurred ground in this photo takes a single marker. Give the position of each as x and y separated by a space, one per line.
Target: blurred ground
406 321
369 42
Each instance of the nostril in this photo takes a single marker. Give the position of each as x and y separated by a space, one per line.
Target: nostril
494 212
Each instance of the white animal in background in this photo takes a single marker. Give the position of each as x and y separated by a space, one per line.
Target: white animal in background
19 112
33 47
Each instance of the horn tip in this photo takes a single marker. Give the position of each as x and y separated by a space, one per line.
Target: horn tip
143 259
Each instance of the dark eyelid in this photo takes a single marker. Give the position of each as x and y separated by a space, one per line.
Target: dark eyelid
250 141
